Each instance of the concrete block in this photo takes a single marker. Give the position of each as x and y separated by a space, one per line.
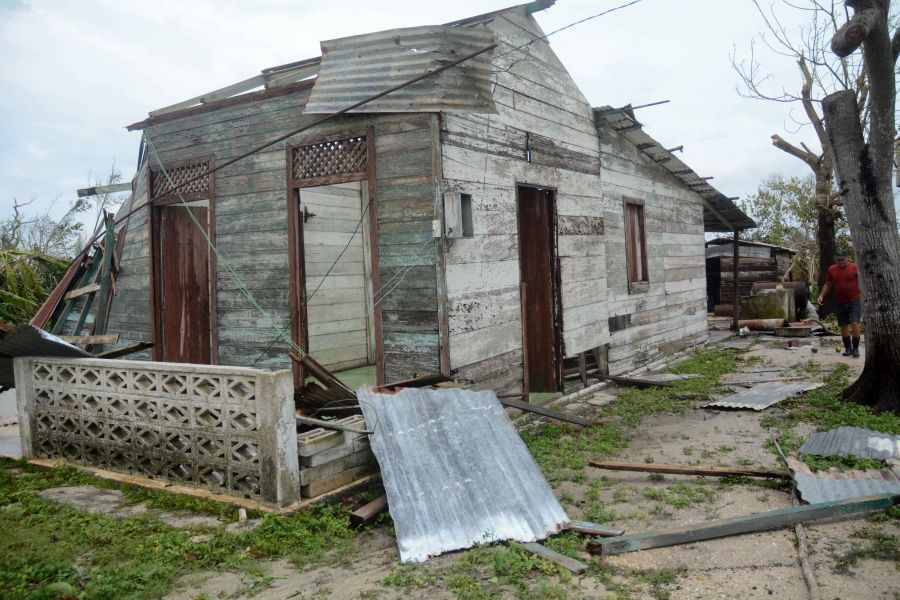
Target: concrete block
355 421
357 459
345 449
318 440
770 304
322 486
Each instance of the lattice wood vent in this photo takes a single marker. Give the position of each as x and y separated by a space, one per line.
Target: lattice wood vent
333 158
161 186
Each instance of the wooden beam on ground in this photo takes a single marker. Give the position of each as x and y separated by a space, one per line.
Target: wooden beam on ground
686 470
125 350
595 529
550 413
82 291
575 566
632 381
90 339
737 525
418 382
367 513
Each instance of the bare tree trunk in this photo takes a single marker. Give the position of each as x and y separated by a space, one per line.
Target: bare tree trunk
825 238
869 205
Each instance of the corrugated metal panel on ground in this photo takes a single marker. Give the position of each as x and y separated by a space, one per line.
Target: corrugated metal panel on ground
763 396
852 440
825 486
455 471
355 68
28 340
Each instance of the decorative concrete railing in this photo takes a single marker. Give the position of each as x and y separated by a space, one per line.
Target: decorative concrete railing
227 429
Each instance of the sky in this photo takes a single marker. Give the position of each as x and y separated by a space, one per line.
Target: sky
74 73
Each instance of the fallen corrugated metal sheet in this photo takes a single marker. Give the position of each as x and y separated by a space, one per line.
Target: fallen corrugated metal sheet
852 440
28 340
455 471
764 396
358 67
825 486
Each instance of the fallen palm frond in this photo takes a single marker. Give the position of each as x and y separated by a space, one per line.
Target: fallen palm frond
26 278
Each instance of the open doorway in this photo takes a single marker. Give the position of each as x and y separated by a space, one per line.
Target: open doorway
334 259
538 267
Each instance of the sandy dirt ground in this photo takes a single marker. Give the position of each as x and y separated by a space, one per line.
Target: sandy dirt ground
762 565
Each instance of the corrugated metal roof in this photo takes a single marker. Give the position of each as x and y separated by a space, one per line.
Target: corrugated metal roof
455 471
722 241
623 121
764 395
825 486
28 340
361 66
853 440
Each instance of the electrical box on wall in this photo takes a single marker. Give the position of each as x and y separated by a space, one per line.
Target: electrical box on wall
458 215
453 224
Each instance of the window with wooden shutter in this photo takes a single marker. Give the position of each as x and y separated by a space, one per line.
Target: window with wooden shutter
635 246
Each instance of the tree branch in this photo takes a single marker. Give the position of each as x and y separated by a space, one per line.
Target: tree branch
808 157
895 45
807 102
852 33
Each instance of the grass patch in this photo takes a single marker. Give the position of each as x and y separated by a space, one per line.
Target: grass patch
843 462
46 546
879 545
682 494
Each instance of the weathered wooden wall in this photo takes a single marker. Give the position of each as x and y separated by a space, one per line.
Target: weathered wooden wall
539 108
251 229
671 315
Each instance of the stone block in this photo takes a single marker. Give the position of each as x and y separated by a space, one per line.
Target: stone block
326 456
770 304
357 459
318 440
322 486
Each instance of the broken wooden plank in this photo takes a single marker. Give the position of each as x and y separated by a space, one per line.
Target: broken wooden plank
82 291
595 529
367 513
687 470
105 297
738 525
575 566
90 339
418 382
549 412
632 381
125 350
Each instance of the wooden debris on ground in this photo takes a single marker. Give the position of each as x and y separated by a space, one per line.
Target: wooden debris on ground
594 529
688 470
549 412
737 525
575 566
368 512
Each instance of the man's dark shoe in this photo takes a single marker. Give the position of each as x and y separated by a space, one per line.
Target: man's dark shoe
856 353
847 352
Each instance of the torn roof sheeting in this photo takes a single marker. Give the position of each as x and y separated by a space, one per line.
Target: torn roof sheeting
717 207
826 486
28 340
763 396
455 471
358 67
853 440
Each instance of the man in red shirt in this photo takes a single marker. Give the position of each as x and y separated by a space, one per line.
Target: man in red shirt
843 279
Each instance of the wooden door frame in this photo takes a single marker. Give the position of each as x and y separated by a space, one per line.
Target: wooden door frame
296 254
555 282
155 268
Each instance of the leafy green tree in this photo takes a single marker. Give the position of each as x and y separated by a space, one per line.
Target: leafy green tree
787 212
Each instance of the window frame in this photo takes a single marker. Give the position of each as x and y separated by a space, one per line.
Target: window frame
637 275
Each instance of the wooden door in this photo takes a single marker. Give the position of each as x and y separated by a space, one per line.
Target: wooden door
537 265
182 281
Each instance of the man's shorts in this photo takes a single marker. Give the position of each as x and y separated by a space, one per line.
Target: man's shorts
848 312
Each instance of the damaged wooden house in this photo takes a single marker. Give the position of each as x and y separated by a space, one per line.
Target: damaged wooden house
486 222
